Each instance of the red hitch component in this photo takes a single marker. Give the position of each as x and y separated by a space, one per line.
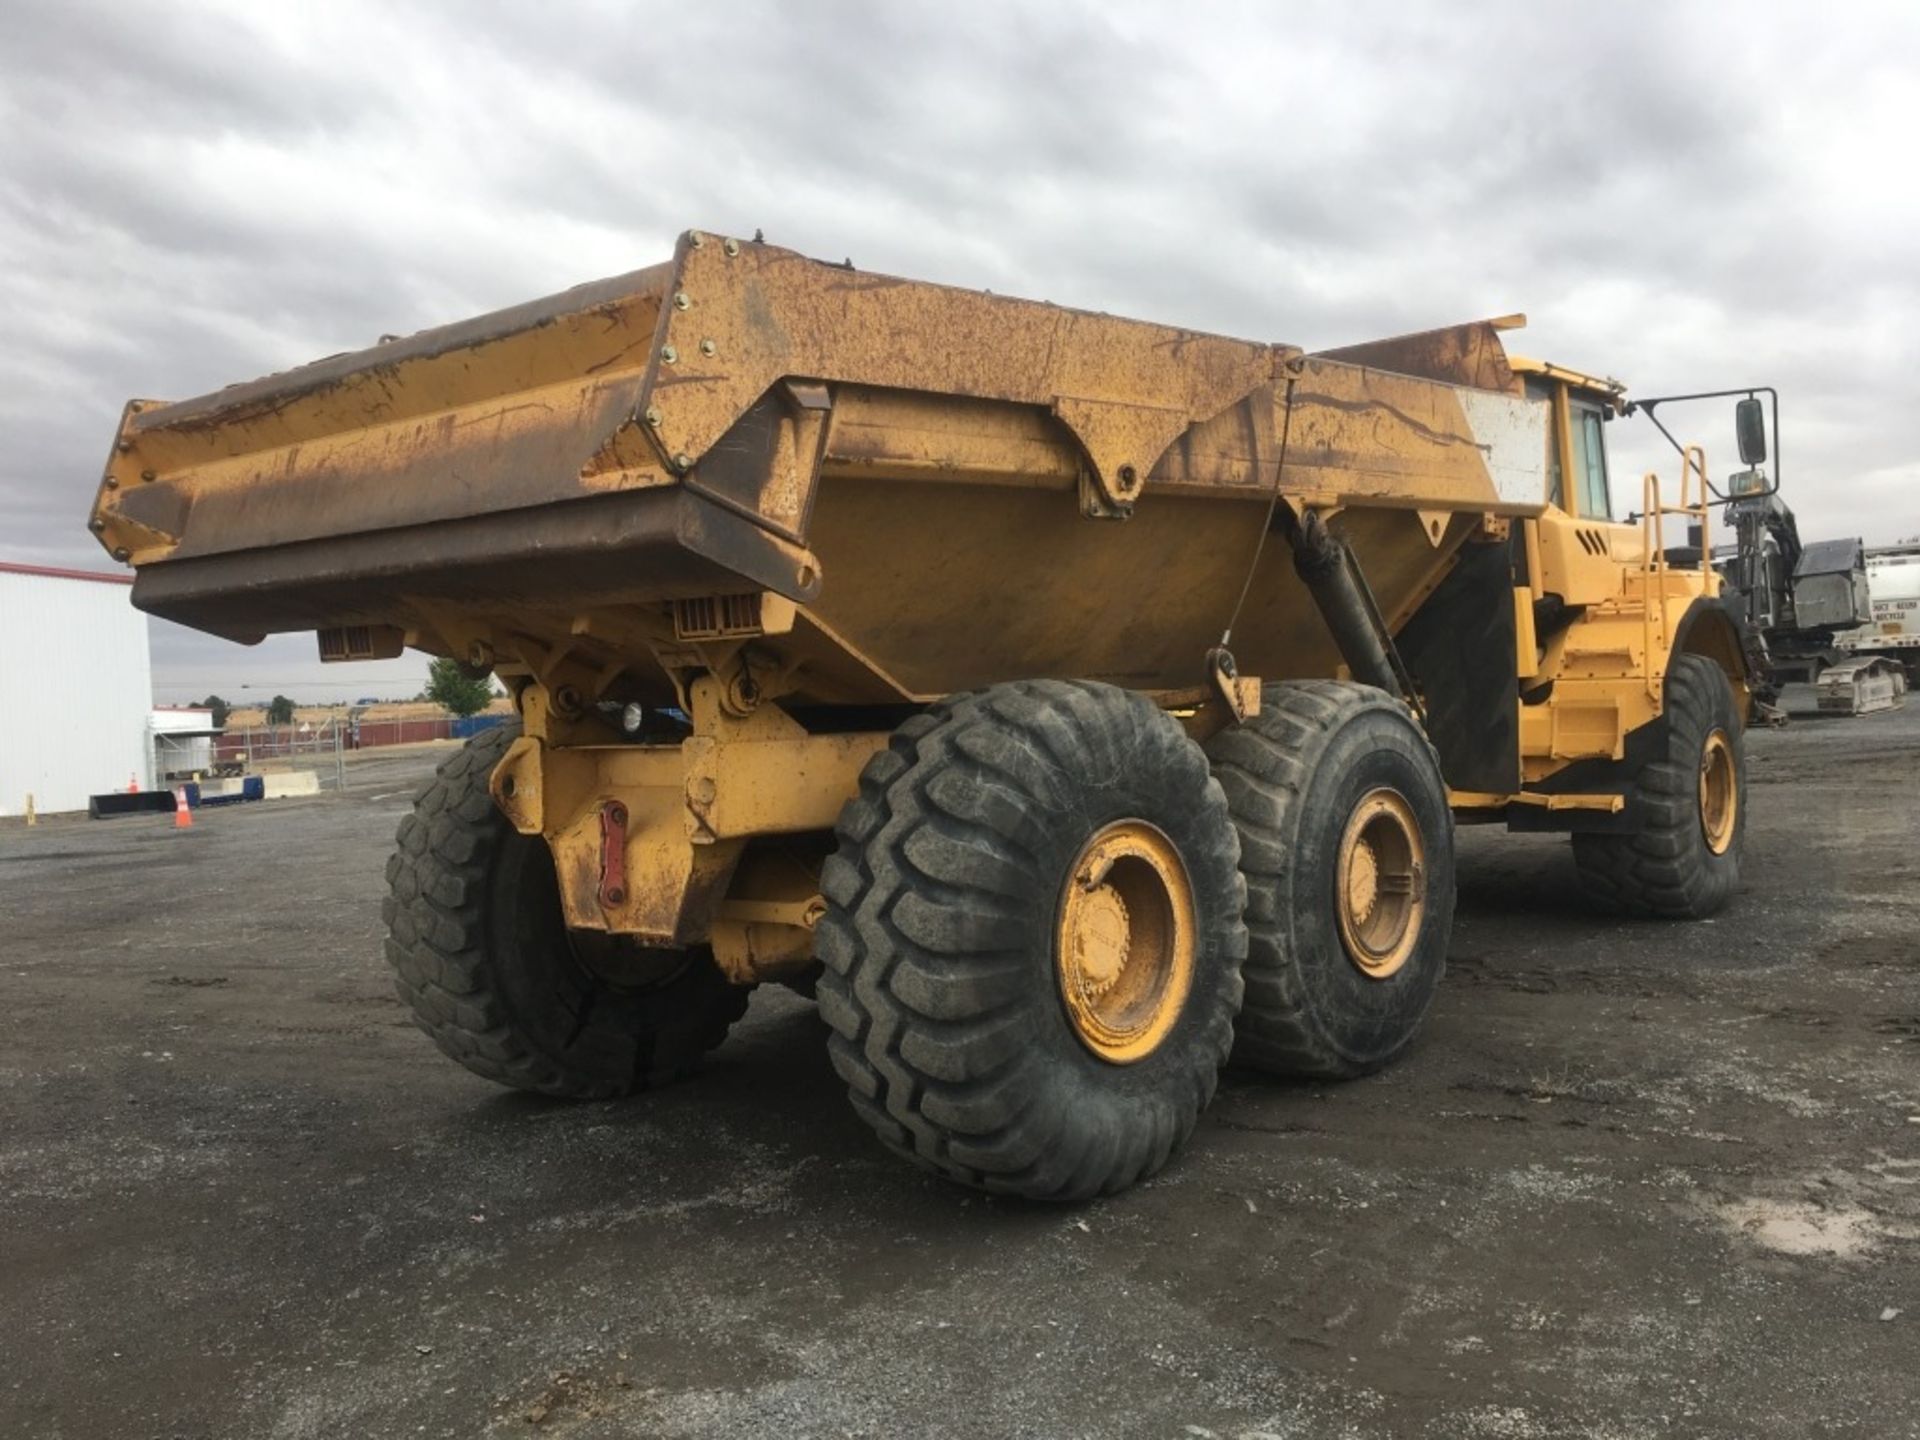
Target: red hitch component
613 855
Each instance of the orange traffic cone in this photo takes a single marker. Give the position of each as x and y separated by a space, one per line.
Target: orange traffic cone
182 812
133 783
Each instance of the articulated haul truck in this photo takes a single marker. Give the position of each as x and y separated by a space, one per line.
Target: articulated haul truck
1068 701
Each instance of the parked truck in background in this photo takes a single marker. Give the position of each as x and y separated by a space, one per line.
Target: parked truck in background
1067 699
1892 627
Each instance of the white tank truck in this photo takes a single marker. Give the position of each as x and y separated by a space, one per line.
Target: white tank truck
1888 645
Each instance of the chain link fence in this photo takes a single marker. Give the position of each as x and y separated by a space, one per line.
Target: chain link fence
322 747
255 750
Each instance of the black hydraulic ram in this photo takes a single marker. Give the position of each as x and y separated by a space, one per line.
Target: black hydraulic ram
1327 568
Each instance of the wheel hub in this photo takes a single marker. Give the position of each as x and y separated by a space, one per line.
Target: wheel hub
1380 894
1101 940
1125 941
1719 792
1363 882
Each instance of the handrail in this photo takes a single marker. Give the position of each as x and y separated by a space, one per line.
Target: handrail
1694 462
1653 569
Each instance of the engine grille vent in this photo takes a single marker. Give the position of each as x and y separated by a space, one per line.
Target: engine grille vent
361 642
716 617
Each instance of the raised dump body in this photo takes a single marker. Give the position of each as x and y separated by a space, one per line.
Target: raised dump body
778 557
912 464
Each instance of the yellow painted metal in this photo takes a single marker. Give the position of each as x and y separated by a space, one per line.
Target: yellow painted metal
1692 505
1719 792
1380 885
762 773
763 930
380 429
1593 387
1530 547
1607 667
1489 800
761 423
1125 941
754 314
689 810
1526 644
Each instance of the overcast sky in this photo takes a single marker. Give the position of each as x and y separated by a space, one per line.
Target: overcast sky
1685 196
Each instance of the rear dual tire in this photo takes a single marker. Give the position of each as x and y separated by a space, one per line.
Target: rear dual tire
1346 842
482 957
1033 939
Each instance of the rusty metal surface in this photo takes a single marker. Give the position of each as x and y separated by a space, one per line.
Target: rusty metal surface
645 837
541 484
741 317
605 551
380 364
1470 354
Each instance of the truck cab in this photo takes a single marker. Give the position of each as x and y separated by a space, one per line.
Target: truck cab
1580 543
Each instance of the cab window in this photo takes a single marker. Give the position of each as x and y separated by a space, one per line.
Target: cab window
1589 462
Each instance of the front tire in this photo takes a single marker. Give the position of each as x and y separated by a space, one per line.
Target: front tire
482 957
1033 939
1684 863
1346 841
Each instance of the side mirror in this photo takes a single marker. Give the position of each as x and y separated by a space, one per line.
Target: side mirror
1750 425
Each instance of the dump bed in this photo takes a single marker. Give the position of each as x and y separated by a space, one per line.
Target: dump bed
901 489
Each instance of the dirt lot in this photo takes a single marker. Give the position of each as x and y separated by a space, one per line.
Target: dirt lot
1640 1180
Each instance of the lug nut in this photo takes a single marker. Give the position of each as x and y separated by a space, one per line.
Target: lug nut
680 300
709 349
669 354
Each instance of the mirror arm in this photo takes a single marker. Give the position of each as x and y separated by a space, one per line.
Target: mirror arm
1648 406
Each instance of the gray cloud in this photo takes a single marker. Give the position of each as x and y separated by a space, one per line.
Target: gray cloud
1677 194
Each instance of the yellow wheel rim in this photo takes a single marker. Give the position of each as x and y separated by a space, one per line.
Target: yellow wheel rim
1719 792
1380 884
1125 941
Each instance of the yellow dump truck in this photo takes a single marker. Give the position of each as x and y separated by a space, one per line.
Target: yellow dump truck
1066 700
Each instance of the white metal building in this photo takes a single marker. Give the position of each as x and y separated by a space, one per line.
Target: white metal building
76 688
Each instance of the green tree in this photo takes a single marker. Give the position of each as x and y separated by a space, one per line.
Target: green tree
220 708
280 711
450 687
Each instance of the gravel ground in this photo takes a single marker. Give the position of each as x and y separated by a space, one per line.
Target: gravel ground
1639 1180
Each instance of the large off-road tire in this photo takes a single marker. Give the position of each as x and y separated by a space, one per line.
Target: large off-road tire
1346 842
1684 863
1033 939
481 955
